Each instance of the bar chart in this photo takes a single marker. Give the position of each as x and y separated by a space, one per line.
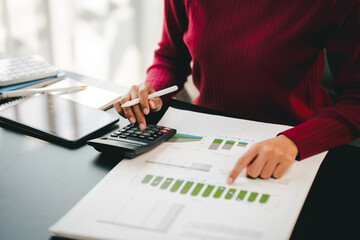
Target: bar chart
228 145
203 190
221 143
212 143
180 137
242 144
215 144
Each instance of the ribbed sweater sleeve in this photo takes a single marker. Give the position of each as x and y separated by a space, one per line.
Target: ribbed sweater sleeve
339 124
171 64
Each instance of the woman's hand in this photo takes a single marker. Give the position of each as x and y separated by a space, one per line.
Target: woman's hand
269 158
137 112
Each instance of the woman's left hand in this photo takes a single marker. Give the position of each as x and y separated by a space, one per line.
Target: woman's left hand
269 158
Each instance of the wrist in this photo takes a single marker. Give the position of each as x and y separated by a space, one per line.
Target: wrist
290 144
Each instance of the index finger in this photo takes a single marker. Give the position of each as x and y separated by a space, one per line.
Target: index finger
242 163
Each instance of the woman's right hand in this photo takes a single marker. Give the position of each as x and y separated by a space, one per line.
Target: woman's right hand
137 112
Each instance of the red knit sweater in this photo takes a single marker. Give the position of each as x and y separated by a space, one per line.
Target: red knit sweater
263 60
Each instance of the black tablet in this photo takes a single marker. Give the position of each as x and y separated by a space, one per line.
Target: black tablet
56 119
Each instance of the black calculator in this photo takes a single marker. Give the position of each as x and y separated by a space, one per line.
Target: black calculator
131 141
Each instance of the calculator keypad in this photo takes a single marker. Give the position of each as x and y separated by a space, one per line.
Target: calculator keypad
133 132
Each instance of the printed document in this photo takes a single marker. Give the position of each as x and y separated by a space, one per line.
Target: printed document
178 190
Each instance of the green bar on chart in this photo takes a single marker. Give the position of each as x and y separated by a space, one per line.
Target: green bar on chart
241 195
166 183
176 185
253 196
147 179
230 193
264 198
242 144
228 145
219 192
156 181
208 190
197 189
186 187
215 144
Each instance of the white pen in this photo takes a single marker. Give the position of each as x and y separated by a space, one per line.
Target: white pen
28 92
151 96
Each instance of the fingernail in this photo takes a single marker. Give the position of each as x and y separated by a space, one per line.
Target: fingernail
142 126
152 104
132 120
146 111
229 180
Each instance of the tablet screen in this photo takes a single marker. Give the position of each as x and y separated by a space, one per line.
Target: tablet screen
57 117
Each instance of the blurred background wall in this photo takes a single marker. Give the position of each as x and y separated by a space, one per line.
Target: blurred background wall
111 40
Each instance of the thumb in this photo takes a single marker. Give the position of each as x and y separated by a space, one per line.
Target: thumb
155 104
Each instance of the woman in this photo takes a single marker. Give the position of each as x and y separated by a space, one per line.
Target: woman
263 60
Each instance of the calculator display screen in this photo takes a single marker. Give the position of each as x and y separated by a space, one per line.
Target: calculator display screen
56 116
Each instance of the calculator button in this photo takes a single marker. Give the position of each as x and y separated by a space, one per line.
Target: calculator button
123 136
151 138
142 136
163 131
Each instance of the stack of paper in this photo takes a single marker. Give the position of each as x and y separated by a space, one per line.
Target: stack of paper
178 190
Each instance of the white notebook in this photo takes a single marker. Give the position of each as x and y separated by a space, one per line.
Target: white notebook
92 96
